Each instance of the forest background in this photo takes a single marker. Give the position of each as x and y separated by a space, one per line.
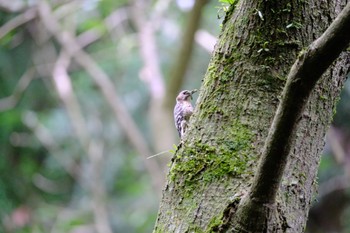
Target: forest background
86 96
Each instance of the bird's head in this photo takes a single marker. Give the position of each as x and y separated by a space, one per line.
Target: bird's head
185 95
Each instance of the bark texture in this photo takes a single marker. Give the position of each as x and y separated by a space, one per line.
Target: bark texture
213 169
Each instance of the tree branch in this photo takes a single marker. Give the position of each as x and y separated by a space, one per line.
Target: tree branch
46 139
11 101
92 147
64 88
13 6
107 88
206 40
17 21
150 73
304 74
179 69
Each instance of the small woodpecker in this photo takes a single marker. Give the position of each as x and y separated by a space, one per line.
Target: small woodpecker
183 110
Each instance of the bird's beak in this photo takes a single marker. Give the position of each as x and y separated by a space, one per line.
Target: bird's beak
192 92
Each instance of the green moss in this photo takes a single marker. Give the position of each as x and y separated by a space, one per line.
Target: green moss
302 53
159 229
229 10
198 164
195 229
221 222
302 178
323 97
214 224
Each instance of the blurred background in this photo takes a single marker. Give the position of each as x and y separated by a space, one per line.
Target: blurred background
87 90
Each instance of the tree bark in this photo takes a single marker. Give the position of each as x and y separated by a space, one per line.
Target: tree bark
213 169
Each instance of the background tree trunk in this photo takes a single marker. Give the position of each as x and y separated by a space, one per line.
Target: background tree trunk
214 167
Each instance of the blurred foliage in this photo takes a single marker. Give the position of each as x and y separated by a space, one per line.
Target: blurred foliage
342 116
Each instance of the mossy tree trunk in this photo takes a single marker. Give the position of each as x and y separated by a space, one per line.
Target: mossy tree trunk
214 167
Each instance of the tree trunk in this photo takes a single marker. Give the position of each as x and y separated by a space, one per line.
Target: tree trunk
214 166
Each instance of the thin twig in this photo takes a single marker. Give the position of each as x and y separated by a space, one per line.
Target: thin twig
160 153
12 100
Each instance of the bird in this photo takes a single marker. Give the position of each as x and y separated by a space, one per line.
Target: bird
183 111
